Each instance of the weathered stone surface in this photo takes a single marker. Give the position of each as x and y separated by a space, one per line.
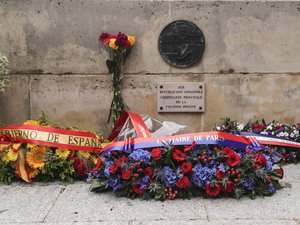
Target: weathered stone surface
281 206
24 203
15 103
217 222
105 207
84 100
62 36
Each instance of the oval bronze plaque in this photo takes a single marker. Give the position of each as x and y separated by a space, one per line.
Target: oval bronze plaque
181 43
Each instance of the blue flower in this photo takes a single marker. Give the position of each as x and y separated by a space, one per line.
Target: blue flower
271 188
106 170
169 177
249 185
201 175
144 182
139 155
114 184
222 167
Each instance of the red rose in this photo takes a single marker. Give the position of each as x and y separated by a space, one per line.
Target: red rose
186 167
280 172
233 159
148 171
219 174
114 168
183 182
136 189
156 153
258 127
178 155
226 151
268 180
260 160
229 187
213 189
126 174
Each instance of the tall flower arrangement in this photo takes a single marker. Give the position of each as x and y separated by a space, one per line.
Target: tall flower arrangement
118 46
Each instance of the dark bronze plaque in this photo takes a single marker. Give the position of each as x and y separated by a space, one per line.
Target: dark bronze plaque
181 43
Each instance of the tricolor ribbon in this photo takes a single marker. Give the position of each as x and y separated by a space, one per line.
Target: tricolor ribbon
5 141
241 141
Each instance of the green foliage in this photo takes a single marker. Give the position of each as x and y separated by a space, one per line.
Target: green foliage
43 119
58 168
4 79
7 173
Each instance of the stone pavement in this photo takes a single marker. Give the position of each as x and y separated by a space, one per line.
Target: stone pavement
62 203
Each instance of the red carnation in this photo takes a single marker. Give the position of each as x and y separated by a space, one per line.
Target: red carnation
126 174
178 155
258 127
122 159
188 148
156 153
220 174
229 187
79 166
183 182
148 171
136 189
260 160
280 172
226 151
233 159
213 189
114 168
186 167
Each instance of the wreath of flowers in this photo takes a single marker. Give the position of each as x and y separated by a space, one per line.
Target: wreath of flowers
46 163
174 172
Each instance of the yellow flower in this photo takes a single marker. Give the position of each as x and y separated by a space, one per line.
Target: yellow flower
84 154
62 153
5 158
12 156
95 159
131 39
112 43
31 145
31 122
36 157
33 173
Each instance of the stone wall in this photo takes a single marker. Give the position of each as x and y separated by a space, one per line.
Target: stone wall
250 64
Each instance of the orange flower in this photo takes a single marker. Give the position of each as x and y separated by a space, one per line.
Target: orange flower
36 157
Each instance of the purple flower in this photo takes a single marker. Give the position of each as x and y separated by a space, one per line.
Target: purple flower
169 177
121 40
201 175
271 188
103 36
144 182
249 185
139 155
114 184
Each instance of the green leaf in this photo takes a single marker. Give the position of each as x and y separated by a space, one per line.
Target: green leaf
111 65
98 186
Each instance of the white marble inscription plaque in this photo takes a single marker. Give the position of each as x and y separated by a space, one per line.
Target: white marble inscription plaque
181 97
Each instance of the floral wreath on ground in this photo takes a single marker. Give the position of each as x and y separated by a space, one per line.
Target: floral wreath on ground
273 128
172 172
46 163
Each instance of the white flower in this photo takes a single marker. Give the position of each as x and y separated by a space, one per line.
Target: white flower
264 132
240 126
269 127
281 134
218 127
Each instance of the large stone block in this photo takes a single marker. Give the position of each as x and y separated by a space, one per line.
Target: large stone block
57 37
15 103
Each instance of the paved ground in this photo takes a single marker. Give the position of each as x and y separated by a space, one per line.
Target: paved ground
61 203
